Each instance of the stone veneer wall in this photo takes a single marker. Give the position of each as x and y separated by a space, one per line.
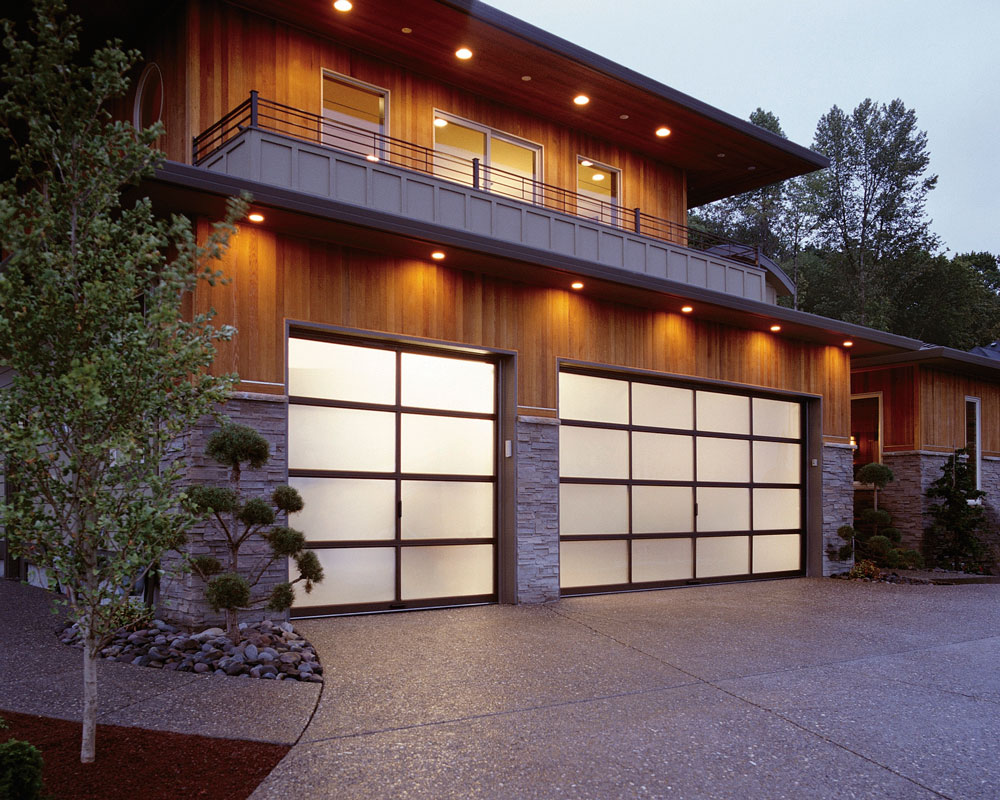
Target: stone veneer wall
913 472
838 502
182 595
537 502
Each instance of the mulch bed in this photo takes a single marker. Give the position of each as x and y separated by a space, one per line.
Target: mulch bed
135 762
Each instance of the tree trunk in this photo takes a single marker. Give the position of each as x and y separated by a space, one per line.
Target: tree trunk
232 625
88 744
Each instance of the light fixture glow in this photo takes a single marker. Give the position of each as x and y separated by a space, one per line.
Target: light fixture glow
848 343
586 163
577 285
775 328
440 123
437 255
255 217
623 116
687 309
581 99
343 5
598 176
663 131
526 78
720 155
463 53
407 30
371 157
751 168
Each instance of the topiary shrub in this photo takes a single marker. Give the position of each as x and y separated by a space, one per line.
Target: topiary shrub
20 770
242 518
954 539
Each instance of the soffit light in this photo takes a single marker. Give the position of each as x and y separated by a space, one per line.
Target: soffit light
255 217
623 116
440 123
581 99
775 328
687 309
525 78
663 131
437 255
463 53
586 163
848 343
407 30
577 284
343 5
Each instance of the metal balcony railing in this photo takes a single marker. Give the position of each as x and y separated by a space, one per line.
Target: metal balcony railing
258 113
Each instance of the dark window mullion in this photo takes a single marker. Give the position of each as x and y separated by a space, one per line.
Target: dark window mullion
398 477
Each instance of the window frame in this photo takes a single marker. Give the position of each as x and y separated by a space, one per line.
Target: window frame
881 423
615 202
978 464
348 80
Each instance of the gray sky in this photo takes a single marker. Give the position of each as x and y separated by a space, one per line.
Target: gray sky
798 58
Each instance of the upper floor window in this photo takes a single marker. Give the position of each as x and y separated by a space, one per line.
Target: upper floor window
507 165
598 186
973 437
358 115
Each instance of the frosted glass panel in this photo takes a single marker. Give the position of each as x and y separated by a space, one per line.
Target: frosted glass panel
448 383
341 372
776 509
442 509
725 460
776 418
661 456
592 563
592 508
662 509
592 453
723 509
446 571
777 552
662 406
345 508
776 462
341 438
724 413
662 560
723 555
594 399
446 445
352 575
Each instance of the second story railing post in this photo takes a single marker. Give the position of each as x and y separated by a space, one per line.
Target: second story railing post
638 224
475 173
253 108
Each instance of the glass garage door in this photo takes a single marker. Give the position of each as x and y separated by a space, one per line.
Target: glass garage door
393 452
665 484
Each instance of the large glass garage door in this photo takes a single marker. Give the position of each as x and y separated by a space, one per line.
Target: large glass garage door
393 452
664 484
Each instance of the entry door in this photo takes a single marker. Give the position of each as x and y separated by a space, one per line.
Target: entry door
664 484
394 453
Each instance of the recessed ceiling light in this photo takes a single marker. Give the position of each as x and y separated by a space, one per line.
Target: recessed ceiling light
686 309
440 123
848 343
598 176
581 99
343 5
371 157
576 285
751 168
255 217
775 328
407 30
623 116
662 131
720 155
463 53
586 163
437 255
525 77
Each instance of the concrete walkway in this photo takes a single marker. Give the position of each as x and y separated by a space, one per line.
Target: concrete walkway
791 689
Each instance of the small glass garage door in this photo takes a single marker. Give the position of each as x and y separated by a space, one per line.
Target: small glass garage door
393 451
664 484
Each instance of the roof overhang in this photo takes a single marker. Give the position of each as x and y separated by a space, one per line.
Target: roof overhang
944 358
180 188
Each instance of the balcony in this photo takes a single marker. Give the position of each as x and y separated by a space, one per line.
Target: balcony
264 141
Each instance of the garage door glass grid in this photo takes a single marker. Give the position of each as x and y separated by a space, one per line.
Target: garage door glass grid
394 452
663 484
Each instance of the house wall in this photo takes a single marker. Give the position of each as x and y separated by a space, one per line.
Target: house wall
899 396
942 405
226 52
276 277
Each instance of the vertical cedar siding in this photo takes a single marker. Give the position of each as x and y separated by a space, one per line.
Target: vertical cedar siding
275 278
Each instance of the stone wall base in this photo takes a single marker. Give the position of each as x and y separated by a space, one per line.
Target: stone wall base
838 503
537 504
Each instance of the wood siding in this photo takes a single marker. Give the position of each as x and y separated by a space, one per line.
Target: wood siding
278 278
899 416
228 51
942 406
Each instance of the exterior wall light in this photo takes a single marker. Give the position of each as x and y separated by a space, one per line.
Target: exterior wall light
848 343
437 255
687 309
343 5
576 285
663 131
581 99
775 328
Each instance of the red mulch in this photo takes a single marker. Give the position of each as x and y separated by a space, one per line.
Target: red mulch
135 762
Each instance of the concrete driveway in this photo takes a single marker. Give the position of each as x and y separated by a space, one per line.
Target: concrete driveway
790 689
